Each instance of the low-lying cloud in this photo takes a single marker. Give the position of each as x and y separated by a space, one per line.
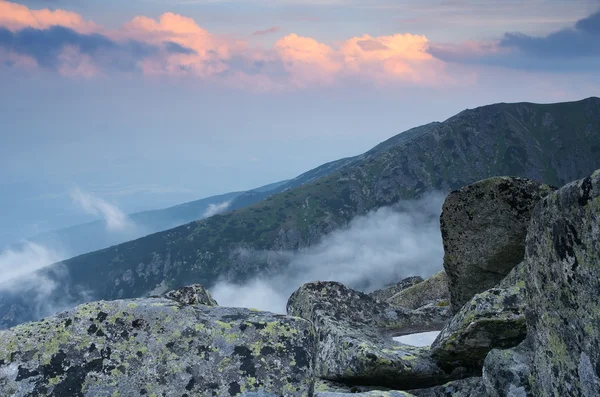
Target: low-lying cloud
25 275
375 250
214 209
116 220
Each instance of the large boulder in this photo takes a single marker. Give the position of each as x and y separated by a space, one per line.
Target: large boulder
158 346
384 294
483 228
377 393
355 338
506 372
433 291
563 283
493 319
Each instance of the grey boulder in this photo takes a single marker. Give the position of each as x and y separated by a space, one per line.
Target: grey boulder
158 346
384 294
492 319
355 338
433 291
469 387
506 372
483 229
563 280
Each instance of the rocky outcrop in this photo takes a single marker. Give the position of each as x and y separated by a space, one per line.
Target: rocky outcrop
433 291
469 387
355 338
563 280
493 319
158 346
506 372
378 393
384 294
483 228
192 295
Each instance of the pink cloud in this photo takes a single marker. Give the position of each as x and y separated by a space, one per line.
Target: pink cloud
293 61
16 16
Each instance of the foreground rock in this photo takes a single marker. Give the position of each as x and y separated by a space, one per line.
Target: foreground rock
469 387
355 338
483 228
433 291
492 319
563 270
384 294
158 346
506 372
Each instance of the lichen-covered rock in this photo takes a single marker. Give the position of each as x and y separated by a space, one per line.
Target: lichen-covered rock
494 318
324 385
384 294
483 228
355 338
563 282
160 347
194 294
376 393
434 291
469 387
506 372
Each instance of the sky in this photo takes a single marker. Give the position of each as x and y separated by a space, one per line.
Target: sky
142 104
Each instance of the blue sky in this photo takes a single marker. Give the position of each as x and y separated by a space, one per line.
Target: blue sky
150 103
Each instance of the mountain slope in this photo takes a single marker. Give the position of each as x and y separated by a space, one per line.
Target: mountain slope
553 143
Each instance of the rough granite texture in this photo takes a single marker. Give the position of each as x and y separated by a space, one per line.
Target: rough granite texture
563 280
158 347
194 294
506 372
434 291
384 294
483 228
391 393
355 338
493 319
469 387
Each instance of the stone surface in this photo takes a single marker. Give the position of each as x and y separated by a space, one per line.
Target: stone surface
355 338
506 372
469 387
378 393
384 294
192 295
483 228
494 318
434 291
563 280
156 346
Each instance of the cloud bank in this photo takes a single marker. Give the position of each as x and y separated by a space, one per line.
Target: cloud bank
576 48
174 45
23 273
375 250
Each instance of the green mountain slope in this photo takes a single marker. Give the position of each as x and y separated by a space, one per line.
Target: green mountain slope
553 143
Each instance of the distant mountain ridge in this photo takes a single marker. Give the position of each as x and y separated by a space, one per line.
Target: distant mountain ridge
551 143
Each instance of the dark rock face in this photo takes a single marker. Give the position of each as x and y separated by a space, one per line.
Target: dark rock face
493 319
192 295
433 291
563 280
384 294
355 338
506 372
483 228
469 387
157 346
